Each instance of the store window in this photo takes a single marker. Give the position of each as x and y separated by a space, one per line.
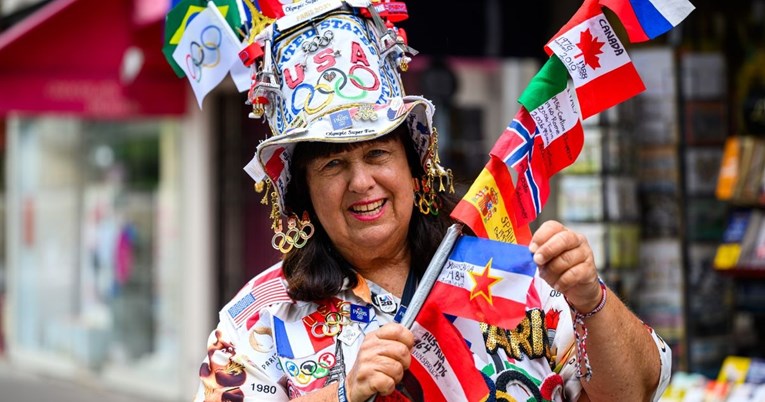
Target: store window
95 267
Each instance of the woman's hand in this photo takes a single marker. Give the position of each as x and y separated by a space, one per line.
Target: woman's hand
566 262
383 357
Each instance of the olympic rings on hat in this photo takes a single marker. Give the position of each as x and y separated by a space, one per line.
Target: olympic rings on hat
358 83
361 95
318 41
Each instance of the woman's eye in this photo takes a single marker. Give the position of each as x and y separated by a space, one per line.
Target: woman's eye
331 164
376 153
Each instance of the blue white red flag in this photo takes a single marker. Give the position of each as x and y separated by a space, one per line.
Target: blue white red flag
485 280
441 361
647 19
300 338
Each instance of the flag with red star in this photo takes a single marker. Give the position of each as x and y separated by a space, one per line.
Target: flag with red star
485 280
598 63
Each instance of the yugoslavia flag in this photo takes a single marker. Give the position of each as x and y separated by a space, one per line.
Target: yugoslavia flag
441 361
486 207
486 281
545 136
647 19
207 51
602 72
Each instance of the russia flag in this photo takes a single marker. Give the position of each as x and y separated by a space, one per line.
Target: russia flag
487 281
647 19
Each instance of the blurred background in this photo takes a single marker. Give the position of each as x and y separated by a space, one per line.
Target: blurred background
128 220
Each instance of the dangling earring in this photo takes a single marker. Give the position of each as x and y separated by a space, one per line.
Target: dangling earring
425 198
299 230
425 195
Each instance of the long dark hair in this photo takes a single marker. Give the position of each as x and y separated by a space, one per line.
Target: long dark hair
317 271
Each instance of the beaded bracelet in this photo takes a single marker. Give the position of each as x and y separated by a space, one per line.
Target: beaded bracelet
581 340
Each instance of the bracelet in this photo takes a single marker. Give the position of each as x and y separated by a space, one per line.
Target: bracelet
341 396
581 340
597 308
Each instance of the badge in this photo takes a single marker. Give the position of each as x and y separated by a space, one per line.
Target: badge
349 334
341 120
360 313
385 302
400 314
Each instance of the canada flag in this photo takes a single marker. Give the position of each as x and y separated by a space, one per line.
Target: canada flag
596 60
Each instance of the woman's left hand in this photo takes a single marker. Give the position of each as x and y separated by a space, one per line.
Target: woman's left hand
566 262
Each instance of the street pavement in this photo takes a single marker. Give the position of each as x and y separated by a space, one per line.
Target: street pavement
16 386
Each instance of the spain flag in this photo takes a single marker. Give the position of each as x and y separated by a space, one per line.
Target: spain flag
485 208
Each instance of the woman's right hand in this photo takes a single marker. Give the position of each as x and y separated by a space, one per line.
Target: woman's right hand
383 357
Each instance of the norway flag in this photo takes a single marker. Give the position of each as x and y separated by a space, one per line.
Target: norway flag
485 280
647 19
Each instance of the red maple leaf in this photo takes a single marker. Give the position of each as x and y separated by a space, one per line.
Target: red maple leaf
590 48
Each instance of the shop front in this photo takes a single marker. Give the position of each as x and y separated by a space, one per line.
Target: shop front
107 241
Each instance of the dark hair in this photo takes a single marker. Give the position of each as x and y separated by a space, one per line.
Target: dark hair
317 271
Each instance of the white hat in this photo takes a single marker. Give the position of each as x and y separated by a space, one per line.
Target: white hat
333 78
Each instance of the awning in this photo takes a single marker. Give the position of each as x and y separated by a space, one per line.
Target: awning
92 58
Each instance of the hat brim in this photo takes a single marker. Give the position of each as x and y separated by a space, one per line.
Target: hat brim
354 123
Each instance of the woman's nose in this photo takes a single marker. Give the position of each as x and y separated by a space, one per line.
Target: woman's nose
361 179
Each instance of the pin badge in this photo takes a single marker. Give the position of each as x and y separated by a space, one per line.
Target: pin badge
385 302
349 334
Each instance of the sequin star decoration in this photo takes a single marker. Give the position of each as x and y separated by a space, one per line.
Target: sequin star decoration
483 283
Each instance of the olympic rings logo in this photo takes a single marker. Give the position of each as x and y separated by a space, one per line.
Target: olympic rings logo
338 88
317 42
425 198
334 321
209 45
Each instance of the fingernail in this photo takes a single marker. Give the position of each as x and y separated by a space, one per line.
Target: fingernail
538 259
533 247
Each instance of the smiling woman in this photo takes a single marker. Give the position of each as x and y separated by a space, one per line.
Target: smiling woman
365 194
353 168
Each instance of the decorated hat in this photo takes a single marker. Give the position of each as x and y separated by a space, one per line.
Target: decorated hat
330 73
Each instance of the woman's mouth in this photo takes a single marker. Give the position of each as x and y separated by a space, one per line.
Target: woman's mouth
367 209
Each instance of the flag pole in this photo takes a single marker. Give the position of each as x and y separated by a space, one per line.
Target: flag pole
429 278
431 274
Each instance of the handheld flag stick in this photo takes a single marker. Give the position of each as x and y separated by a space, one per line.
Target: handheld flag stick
429 278
431 274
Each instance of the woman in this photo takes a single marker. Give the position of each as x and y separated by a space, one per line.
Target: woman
356 175
369 239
